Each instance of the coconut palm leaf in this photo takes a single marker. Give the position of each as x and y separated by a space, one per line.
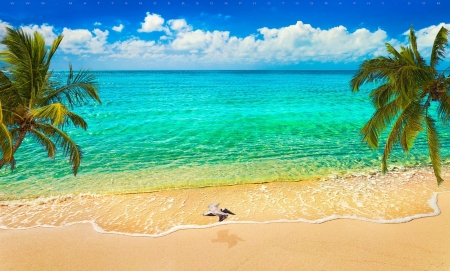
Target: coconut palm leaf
42 139
404 131
413 40
36 105
382 117
438 49
5 138
444 109
413 126
402 100
56 113
379 68
382 95
433 146
79 88
70 148
8 94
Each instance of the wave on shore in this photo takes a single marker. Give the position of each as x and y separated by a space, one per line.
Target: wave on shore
399 196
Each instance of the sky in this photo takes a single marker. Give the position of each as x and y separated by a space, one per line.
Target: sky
232 35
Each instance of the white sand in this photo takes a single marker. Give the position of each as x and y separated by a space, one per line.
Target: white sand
422 244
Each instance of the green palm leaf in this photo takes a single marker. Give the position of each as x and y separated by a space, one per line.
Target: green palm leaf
79 88
407 87
379 121
404 131
444 109
433 146
5 138
413 41
42 139
33 103
438 49
66 143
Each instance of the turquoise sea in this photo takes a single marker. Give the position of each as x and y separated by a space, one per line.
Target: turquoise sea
171 129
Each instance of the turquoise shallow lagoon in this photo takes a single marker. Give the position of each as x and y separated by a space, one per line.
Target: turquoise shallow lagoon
171 129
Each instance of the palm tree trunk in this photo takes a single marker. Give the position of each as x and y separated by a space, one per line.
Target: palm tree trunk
15 147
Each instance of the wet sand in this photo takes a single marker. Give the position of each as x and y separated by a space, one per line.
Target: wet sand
340 244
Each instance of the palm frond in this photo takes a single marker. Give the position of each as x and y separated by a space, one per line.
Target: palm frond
56 113
42 139
382 95
413 41
433 146
391 50
53 49
382 117
403 131
76 120
413 126
5 138
79 88
59 115
67 144
438 49
25 53
377 69
8 94
444 109
410 79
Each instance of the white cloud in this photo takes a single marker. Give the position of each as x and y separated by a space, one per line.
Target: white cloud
183 46
152 22
118 28
82 41
97 23
3 26
426 36
44 29
302 42
135 48
192 40
179 25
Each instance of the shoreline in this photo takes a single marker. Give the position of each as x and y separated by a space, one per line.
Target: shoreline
339 244
433 202
334 174
396 197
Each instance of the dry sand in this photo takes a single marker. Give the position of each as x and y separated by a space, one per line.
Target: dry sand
342 244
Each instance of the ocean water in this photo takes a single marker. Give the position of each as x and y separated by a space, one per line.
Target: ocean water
175 129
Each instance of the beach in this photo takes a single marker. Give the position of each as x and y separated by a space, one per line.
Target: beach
341 244
409 231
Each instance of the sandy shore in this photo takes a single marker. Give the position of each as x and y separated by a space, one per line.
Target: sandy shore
342 244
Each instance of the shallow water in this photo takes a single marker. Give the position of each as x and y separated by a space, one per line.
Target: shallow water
170 129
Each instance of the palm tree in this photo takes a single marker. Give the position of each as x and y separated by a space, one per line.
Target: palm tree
407 86
33 104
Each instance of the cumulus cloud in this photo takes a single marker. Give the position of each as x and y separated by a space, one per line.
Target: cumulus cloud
192 40
118 28
426 36
302 42
152 22
97 23
3 26
179 25
44 29
182 44
135 48
82 41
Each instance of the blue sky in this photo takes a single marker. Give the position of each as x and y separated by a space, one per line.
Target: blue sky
210 34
